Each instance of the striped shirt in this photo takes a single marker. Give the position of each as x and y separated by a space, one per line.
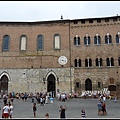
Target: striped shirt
83 114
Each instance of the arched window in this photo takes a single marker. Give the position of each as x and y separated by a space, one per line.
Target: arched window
6 42
108 39
79 62
112 61
23 42
101 62
87 39
119 61
86 62
118 37
40 42
56 41
98 62
107 62
97 39
75 62
77 40
90 62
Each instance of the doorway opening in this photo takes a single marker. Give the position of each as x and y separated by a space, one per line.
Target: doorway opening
4 85
51 86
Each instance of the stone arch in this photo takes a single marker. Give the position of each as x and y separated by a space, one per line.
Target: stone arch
6 74
53 73
51 78
112 86
4 79
88 84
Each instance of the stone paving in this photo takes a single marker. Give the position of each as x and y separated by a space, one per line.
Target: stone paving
74 106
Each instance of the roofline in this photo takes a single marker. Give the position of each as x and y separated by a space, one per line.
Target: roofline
56 21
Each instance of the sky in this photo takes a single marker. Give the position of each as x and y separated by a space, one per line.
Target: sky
52 10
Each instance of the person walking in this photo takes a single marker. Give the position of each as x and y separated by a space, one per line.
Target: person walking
6 111
83 113
99 105
11 110
34 109
62 111
115 98
104 111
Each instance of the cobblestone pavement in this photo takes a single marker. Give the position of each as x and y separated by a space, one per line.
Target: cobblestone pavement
74 106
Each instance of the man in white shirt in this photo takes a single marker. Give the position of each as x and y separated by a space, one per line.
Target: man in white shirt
6 111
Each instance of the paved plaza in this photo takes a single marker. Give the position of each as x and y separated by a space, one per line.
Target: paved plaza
74 106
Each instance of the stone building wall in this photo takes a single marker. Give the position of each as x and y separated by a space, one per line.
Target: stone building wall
26 69
93 51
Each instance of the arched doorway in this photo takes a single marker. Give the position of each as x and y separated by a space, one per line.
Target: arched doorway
51 87
112 89
88 84
4 84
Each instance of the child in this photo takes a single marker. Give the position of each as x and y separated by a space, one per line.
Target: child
83 113
47 115
11 110
34 109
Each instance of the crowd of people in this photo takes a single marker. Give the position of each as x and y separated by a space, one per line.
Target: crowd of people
43 98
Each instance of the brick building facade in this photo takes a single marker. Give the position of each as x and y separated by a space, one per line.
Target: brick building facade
30 55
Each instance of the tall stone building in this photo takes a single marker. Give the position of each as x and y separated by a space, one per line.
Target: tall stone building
60 56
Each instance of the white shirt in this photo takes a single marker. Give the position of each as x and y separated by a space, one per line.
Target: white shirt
104 98
11 109
6 109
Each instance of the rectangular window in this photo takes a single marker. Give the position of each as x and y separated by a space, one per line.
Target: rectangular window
75 22
106 20
77 84
99 21
82 21
90 21
111 81
114 19
99 84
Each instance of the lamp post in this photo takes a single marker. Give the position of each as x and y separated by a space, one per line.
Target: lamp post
70 60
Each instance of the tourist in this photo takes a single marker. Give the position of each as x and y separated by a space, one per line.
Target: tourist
47 115
5 111
99 105
11 110
83 113
62 111
34 109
